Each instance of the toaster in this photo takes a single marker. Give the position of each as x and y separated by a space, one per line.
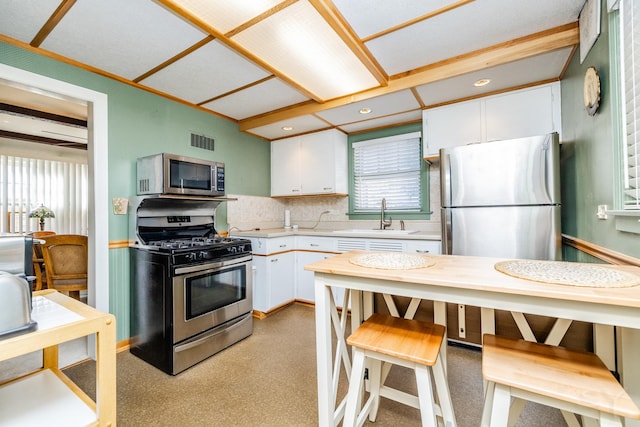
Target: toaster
15 305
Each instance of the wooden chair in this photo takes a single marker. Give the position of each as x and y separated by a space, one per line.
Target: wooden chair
572 381
38 260
410 343
65 261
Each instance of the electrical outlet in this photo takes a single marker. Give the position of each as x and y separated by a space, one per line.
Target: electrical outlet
602 212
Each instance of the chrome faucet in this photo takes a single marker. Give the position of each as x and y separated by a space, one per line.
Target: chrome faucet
384 223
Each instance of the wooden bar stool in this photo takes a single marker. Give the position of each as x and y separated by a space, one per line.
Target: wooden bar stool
410 343
572 381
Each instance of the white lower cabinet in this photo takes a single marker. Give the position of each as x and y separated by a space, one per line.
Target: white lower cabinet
279 263
274 284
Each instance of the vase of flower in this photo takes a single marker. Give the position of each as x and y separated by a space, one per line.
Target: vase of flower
41 212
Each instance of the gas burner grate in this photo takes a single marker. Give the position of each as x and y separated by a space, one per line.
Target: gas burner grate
194 242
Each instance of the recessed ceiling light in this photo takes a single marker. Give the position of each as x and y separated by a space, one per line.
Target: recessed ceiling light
482 82
287 128
365 110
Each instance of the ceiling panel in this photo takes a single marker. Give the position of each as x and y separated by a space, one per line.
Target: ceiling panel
125 37
270 95
478 25
42 128
379 106
367 20
211 70
42 101
382 122
22 19
300 124
537 68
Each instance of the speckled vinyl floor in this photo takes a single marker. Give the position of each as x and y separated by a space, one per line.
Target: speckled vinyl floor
269 379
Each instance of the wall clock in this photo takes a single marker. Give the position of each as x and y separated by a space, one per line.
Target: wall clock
591 91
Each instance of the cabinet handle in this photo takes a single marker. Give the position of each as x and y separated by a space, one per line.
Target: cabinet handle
295 190
422 251
327 188
274 260
313 244
283 246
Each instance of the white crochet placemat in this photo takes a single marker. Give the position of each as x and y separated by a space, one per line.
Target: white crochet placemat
392 261
568 273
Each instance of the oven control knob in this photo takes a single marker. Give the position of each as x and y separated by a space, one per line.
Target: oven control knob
202 255
191 256
233 249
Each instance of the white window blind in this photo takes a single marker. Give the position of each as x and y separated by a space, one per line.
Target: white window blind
27 183
630 51
388 168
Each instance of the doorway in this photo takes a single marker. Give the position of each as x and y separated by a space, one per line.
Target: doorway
97 151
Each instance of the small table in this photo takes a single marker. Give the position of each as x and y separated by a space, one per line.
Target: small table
60 318
463 280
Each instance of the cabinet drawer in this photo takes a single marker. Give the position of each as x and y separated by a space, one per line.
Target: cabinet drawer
280 244
319 244
266 246
423 246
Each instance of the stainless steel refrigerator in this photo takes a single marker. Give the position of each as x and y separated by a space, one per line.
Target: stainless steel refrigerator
502 198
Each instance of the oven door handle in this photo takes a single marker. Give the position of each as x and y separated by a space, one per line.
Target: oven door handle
211 266
199 341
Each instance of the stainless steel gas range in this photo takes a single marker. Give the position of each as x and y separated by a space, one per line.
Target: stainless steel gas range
191 290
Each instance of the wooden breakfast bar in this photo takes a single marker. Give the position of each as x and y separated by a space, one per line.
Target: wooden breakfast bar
471 281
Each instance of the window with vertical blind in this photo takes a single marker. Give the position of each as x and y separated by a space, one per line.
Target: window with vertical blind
630 70
389 168
27 183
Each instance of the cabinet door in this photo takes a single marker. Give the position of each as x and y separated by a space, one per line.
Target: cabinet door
452 125
285 167
524 113
305 279
261 284
323 156
281 278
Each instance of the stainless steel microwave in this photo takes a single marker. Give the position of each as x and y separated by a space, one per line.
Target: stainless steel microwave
172 174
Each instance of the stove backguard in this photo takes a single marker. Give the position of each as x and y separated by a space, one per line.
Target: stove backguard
160 218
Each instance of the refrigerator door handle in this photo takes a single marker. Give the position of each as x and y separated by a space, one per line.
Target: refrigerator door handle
446 231
445 178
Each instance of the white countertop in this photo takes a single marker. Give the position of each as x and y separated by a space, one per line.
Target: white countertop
374 234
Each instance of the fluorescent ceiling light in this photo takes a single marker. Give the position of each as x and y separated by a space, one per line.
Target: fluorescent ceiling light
224 16
296 42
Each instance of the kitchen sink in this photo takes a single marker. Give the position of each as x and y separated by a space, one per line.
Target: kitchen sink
386 232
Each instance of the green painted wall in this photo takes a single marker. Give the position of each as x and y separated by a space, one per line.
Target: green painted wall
590 164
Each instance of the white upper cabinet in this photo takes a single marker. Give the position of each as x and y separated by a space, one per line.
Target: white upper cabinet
285 167
517 114
310 164
527 112
451 125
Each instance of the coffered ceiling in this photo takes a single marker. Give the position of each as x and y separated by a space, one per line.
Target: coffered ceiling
305 65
